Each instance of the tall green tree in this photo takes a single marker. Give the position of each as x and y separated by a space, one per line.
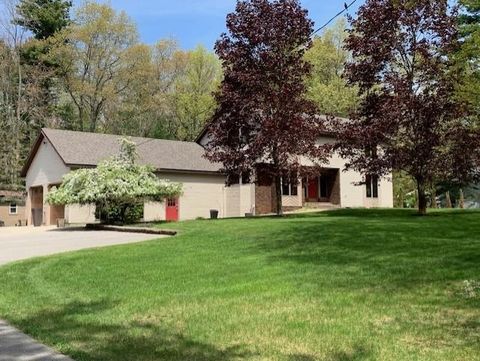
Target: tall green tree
193 98
326 84
469 53
468 92
98 58
172 95
43 17
13 99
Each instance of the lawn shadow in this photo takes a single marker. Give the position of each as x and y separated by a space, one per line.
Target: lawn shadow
358 353
391 249
91 338
301 357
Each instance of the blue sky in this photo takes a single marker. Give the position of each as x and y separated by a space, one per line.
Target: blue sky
194 22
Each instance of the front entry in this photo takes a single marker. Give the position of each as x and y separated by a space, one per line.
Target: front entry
324 188
172 210
312 191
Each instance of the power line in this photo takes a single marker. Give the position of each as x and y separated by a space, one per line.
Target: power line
346 7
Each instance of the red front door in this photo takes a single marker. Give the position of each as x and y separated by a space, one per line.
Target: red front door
172 210
313 188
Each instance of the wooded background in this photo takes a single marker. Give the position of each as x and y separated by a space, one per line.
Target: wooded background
86 69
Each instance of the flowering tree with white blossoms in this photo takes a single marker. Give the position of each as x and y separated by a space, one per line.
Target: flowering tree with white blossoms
117 183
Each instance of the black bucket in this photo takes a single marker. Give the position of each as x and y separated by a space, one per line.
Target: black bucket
213 214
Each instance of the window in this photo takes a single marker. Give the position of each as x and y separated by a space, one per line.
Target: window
171 202
289 188
371 182
12 209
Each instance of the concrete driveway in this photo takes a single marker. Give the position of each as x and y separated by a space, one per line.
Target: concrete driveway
27 242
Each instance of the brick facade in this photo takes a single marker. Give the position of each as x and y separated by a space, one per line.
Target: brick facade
265 196
335 196
264 199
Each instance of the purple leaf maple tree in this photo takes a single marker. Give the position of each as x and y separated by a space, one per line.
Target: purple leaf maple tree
409 118
263 123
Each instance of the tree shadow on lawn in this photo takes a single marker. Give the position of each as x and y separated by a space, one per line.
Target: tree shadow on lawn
90 337
422 261
357 353
398 251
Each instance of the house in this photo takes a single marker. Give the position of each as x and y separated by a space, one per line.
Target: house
12 208
57 152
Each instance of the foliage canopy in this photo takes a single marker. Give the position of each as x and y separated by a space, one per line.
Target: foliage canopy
409 118
263 112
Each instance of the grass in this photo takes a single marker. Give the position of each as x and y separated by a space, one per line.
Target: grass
337 286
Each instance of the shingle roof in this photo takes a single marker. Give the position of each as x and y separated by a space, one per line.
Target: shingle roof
7 197
11 194
88 149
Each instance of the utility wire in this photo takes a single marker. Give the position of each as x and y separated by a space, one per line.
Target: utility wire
346 7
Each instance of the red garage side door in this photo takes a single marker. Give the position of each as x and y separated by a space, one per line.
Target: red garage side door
172 210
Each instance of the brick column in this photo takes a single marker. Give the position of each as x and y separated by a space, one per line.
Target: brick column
46 207
28 208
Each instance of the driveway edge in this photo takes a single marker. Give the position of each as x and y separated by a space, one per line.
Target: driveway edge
15 345
145 230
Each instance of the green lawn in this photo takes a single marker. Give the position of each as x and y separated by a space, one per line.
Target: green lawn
344 285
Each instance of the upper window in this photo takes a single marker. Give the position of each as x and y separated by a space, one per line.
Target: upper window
289 188
12 209
371 182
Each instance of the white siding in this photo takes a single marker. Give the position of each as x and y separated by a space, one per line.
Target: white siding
201 193
47 167
76 214
386 193
247 199
154 211
232 201
239 200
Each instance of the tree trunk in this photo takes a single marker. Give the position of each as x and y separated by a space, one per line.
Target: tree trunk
19 121
123 213
461 201
448 200
434 198
422 197
278 195
93 120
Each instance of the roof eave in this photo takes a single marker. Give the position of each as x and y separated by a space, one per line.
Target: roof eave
190 171
31 155
157 170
